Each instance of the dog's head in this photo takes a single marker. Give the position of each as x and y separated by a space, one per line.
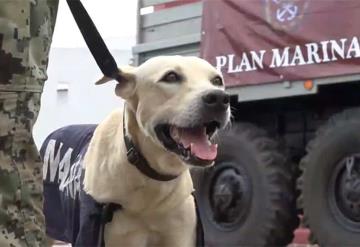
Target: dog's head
179 102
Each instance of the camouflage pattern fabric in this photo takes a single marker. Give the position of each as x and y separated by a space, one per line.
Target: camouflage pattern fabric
26 28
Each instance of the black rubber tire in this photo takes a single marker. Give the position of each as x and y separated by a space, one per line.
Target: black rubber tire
271 217
339 138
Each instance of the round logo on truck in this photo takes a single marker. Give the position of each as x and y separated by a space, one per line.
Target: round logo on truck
285 15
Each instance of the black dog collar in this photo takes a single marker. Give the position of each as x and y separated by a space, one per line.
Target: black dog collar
138 160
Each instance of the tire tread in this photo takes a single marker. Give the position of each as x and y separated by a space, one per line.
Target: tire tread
282 220
346 116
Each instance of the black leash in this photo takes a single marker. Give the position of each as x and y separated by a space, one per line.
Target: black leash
94 41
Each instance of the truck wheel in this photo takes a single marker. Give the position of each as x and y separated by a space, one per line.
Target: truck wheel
330 182
247 198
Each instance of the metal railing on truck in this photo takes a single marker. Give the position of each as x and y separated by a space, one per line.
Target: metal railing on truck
167 27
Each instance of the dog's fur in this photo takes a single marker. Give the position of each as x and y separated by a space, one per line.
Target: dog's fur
155 213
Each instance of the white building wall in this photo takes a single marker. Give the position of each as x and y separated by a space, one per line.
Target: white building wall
83 102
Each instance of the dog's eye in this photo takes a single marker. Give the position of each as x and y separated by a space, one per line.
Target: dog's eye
171 77
217 81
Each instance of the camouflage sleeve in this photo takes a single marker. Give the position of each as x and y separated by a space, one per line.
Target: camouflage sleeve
26 28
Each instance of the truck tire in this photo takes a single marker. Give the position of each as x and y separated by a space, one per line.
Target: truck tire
247 198
330 182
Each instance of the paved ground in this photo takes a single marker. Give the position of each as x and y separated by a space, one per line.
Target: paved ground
300 240
291 245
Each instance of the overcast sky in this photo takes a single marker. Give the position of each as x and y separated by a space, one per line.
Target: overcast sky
115 20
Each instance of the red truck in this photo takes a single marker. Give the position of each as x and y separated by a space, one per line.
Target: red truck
292 68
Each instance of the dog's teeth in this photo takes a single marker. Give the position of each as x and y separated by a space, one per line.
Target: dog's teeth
174 132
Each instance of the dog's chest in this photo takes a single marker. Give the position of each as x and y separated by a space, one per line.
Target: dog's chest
167 228
129 230
147 198
142 195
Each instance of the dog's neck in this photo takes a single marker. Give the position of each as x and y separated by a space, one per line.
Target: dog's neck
109 177
146 146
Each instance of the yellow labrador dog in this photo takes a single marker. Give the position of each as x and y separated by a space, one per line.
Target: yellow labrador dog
174 105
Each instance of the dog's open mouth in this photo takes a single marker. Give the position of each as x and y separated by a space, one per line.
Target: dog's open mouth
193 144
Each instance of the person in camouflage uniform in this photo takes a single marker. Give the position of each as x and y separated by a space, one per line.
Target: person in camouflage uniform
26 28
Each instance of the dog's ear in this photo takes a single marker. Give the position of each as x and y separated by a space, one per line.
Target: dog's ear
126 82
103 80
126 73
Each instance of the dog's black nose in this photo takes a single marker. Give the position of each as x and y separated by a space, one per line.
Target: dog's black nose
216 100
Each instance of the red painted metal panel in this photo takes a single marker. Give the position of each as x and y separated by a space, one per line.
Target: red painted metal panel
263 41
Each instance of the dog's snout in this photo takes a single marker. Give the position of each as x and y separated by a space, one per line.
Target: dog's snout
216 100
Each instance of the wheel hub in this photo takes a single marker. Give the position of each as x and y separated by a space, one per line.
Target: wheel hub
229 197
349 188
346 186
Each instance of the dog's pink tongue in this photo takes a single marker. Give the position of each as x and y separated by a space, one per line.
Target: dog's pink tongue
199 144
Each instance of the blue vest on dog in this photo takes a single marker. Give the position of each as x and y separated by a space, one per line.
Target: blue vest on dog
71 215
66 207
